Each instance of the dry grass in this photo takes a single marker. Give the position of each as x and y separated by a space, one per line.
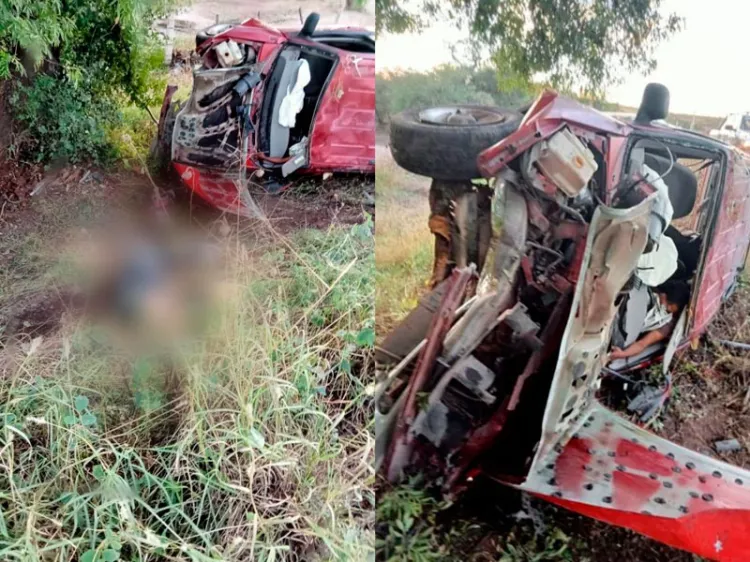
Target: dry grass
403 242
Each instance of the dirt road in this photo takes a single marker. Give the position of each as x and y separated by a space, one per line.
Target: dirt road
280 13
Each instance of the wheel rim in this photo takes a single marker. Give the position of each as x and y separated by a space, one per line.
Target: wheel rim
457 115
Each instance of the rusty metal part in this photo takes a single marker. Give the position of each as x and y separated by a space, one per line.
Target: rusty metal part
524 328
440 226
412 329
207 129
385 418
498 283
401 444
166 102
484 219
443 193
537 216
568 230
488 432
462 392
559 283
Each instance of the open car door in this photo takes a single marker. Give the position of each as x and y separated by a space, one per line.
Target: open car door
595 462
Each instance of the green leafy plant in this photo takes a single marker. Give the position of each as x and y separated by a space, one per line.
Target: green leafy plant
529 37
94 56
408 513
65 120
30 27
553 547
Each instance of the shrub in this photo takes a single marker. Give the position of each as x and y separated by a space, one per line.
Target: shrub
446 84
31 26
65 120
97 54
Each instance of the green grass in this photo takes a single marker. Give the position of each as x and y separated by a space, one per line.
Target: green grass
252 443
135 130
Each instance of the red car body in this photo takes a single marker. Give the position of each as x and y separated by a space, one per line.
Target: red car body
706 506
341 135
549 434
729 247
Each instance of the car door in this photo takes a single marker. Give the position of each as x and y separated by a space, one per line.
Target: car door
343 136
598 463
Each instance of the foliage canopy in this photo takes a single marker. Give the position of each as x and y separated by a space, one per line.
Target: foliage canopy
572 42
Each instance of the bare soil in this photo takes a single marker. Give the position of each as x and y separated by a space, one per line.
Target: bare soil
74 198
40 314
17 181
318 204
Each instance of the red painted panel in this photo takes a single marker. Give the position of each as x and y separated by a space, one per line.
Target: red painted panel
638 457
720 534
631 491
729 243
570 465
249 31
214 188
343 136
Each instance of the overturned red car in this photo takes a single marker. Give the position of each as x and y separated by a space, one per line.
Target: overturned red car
540 276
267 104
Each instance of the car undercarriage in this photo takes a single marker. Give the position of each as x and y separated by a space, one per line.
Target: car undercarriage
500 370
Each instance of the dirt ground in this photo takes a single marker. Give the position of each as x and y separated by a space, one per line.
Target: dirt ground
75 198
711 400
279 13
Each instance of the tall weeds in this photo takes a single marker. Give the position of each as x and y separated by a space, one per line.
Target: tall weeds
250 444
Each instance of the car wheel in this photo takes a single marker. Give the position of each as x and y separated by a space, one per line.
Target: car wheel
444 142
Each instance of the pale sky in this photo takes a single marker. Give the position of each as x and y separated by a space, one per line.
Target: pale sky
704 66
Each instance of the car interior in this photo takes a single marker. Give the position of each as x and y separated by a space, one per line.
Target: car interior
355 40
691 175
275 139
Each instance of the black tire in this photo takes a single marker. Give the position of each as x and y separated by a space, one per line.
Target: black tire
443 151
